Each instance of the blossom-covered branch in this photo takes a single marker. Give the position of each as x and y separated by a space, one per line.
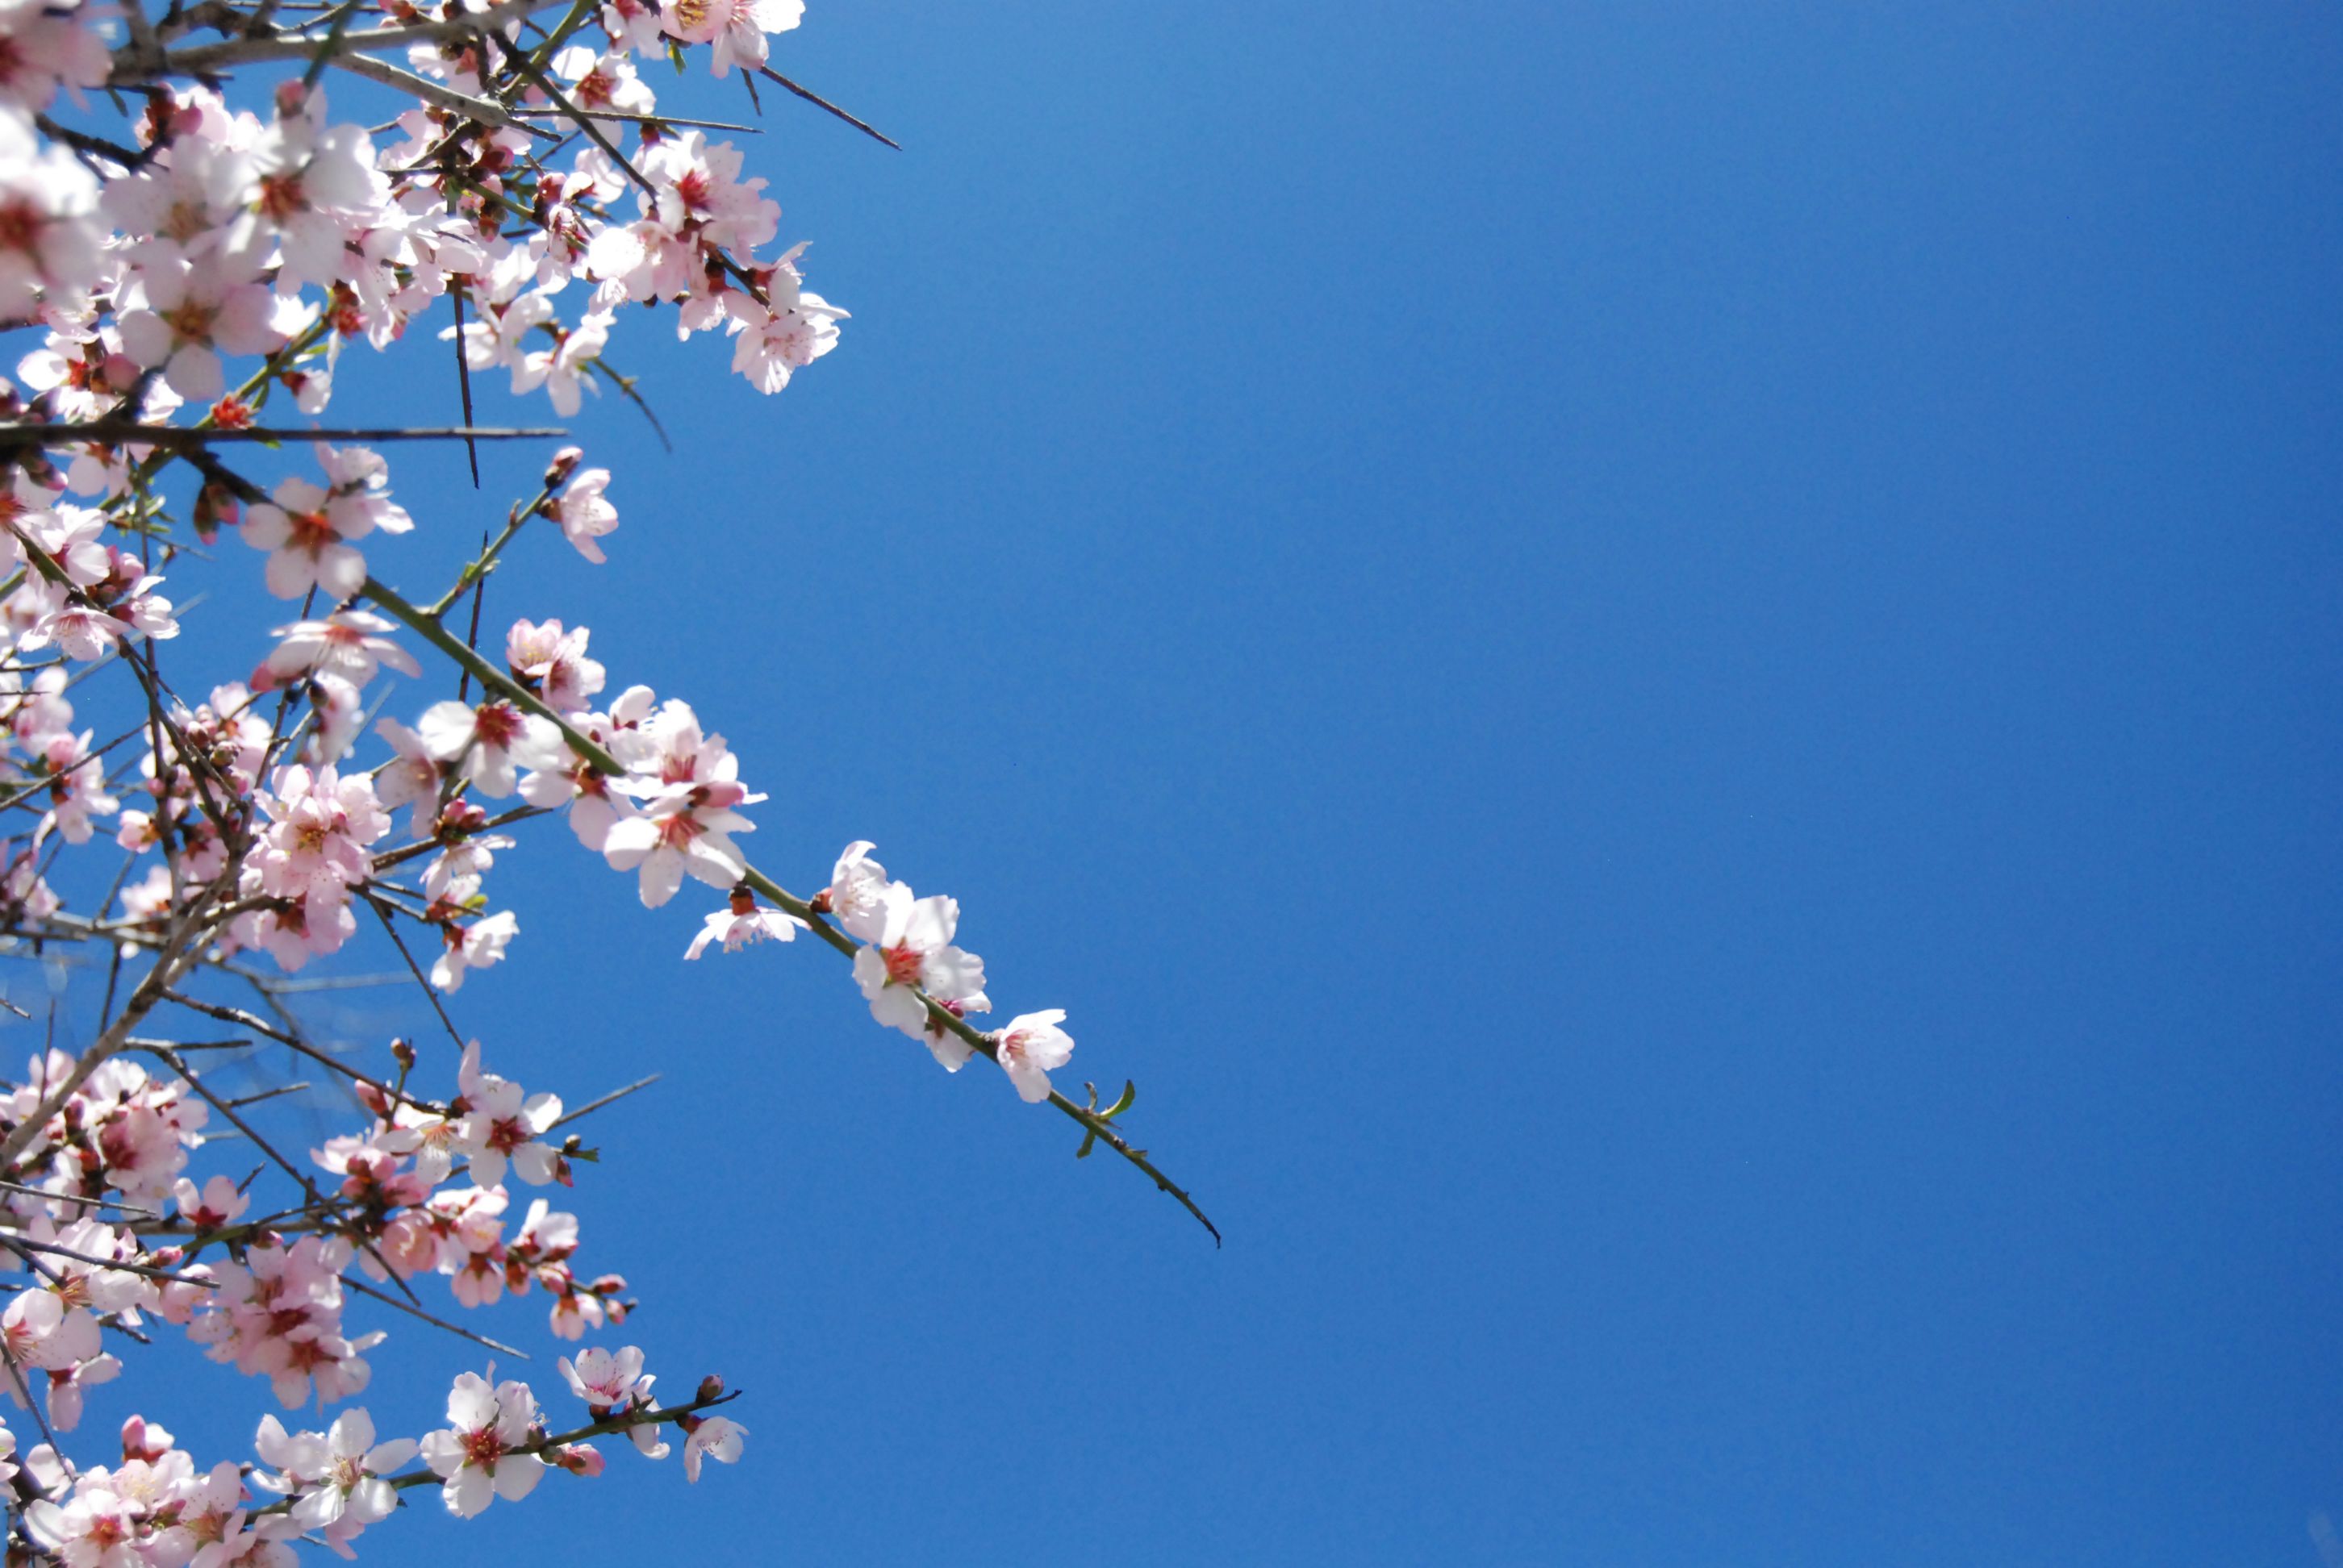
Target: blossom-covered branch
194 275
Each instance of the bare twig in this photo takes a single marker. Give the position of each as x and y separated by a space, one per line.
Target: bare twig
411 1310
817 101
110 433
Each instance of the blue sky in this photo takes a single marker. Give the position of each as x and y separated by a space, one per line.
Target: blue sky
1668 675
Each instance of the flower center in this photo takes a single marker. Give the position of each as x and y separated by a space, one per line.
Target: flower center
20 226
496 724
192 320
311 532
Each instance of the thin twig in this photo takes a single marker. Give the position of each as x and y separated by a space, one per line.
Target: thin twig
817 101
415 1311
76 1198
592 1106
112 434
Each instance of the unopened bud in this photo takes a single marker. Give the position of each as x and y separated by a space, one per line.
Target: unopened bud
214 507
711 1387
402 1051
565 463
143 1441
579 1459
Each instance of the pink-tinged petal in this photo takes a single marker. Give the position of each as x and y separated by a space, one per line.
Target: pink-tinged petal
320 1508
145 338
385 1457
196 375
661 875
628 841
715 926
951 1052
291 574
443 1450
341 571
1032 1083
472 1403
467 1493
266 526
445 730
517 1475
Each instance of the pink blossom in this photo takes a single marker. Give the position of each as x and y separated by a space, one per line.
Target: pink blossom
608 1381
553 662
306 528
687 787
736 28
411 777
39 1331
500 1125
185 317
65 1388
857 894
319 826
215 1207
712 1437
335 1476
94 1529
585 512
348 643
741 922
786 334
487 741
562 370
914 953
1031 1046
473 946
48 240
473 1455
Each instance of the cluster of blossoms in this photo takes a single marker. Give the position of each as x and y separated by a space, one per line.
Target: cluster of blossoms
421 1191
223 236
914 978
190 277
157 1508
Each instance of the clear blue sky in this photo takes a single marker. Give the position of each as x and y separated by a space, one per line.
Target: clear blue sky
1669 675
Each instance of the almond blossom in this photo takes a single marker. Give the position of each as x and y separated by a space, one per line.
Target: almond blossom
585 513
736 28
487 741
334 1477
1029 1048
307 527
913 953
712 1437
185 317
48 240
553 663
741 922
687 785
351 643
500 1125
475 1455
